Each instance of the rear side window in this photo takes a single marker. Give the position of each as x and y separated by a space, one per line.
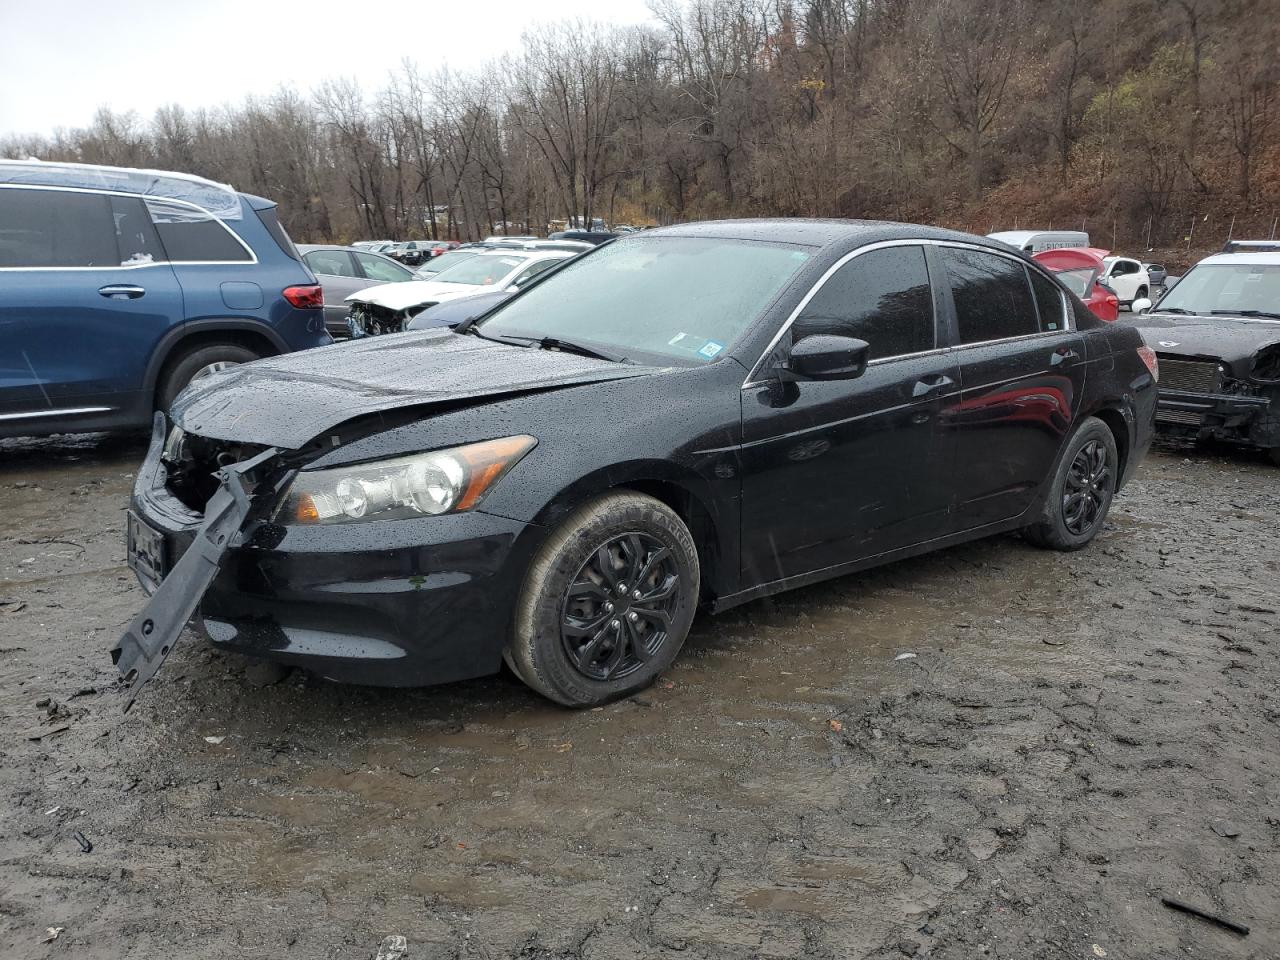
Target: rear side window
52 228
1048 301
332 263
882 297
191 235
992 296
136 236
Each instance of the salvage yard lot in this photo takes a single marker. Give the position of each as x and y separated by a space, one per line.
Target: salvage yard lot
1075 736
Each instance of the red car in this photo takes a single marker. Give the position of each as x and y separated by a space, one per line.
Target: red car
1079 269
443 246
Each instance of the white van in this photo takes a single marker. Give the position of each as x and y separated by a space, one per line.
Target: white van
1036 241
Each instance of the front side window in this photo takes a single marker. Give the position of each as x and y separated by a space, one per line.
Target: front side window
331 263
532 271
376 268
53 228
992 296
882 297
681 299
1242 289
191 235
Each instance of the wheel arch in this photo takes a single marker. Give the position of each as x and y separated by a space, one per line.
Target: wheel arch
680 489
1120 426
198 333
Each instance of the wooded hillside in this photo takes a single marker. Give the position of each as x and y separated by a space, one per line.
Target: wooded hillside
1154 123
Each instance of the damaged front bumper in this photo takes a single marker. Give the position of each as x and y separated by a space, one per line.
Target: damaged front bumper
408 602
1228 416
150 637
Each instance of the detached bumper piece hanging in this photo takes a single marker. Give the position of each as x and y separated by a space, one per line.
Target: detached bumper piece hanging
152 634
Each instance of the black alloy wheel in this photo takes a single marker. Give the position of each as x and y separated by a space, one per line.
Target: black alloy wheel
1088 489
618 610
607 601
1078 495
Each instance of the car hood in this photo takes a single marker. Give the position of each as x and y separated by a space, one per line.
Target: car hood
410 293
289 400
1225 338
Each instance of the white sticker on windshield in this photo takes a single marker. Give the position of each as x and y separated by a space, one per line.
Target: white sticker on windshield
676 339
711 348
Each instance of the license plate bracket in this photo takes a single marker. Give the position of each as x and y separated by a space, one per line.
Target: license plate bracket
147 550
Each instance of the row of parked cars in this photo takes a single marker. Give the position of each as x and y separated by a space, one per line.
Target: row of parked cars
690 418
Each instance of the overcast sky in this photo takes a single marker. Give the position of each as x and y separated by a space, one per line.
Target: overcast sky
62 59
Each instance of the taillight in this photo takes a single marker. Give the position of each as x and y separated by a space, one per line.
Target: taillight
304 297
1153 364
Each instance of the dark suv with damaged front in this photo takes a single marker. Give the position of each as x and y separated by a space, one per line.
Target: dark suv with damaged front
1217 337
695 416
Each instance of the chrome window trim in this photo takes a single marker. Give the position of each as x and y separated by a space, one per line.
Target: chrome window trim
1067 315
53 412
252 261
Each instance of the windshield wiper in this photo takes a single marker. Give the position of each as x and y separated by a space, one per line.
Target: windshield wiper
1246 313
1173 310
568 346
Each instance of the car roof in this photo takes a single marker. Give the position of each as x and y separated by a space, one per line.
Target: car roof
1020 237
1267 258
310 247
219 199
812 232
527 254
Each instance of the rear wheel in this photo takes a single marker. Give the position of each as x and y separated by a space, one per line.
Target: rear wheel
1081 491
607 602
197 363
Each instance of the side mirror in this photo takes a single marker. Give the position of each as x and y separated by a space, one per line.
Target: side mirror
1141 305
826 357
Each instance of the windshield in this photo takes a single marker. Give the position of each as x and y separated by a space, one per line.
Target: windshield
680 297
1078 281
1227 288
480 270
445 261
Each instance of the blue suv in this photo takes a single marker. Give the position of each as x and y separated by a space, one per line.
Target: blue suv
119 287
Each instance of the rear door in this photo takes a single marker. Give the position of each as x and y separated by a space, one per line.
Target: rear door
339 278
85 295
1022 371
838 470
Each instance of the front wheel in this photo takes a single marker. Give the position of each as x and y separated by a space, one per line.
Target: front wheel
1081 491
607 602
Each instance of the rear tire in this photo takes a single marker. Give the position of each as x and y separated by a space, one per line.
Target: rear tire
180 371
607 601
1081 491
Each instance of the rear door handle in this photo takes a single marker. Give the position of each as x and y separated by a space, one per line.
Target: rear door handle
927 385
1062 355
121 291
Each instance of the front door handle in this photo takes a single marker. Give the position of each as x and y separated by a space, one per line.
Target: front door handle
927 385
122 291
1062 355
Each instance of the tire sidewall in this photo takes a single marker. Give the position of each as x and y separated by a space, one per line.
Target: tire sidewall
539 619
1093 429
179 373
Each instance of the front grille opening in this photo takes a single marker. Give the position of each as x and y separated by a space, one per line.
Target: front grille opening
1193 376
192 464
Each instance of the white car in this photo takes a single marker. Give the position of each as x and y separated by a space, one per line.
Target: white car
389 307
1128 278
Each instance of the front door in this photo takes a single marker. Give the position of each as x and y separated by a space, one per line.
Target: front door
84 298
1022 368
835 471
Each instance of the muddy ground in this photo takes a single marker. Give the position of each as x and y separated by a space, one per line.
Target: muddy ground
1076 736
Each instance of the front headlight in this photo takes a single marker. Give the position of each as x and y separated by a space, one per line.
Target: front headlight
423 485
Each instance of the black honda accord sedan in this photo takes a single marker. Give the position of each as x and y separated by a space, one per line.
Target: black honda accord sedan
691 417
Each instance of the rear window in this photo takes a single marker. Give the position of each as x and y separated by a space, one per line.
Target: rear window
271 221
190 235
53 228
